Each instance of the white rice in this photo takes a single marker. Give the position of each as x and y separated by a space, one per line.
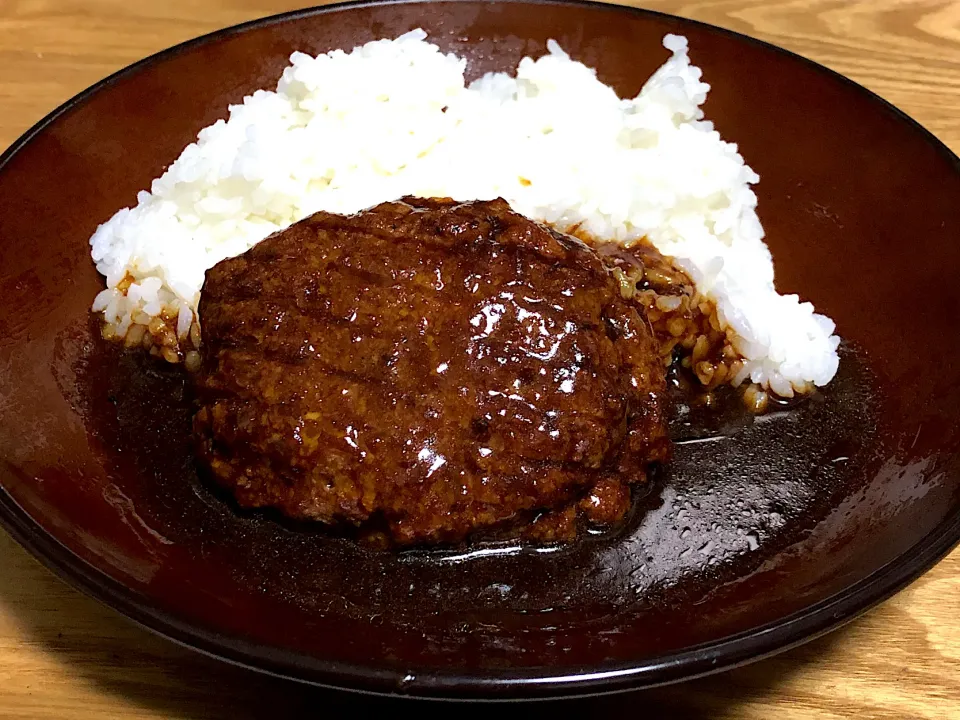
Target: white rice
345 131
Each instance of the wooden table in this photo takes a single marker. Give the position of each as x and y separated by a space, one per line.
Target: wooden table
63 655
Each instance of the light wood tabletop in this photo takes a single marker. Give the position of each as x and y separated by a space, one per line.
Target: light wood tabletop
63 655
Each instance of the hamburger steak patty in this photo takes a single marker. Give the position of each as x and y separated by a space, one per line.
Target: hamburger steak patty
429 369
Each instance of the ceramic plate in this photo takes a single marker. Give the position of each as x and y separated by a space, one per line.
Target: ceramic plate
778 529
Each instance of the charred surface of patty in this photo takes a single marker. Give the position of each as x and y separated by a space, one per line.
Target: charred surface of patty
428 370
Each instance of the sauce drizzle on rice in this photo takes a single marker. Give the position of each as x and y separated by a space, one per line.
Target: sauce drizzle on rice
346 131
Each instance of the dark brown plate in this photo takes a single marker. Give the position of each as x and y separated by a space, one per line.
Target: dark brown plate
761 534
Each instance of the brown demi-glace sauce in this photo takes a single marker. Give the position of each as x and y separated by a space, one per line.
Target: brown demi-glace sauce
426 371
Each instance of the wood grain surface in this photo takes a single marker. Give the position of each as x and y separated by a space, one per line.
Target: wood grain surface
63 655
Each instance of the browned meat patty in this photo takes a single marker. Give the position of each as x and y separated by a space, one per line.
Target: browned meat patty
428 367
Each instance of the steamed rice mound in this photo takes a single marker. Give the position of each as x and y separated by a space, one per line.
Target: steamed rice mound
346 131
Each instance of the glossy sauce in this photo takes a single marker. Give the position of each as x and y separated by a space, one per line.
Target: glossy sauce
428 369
